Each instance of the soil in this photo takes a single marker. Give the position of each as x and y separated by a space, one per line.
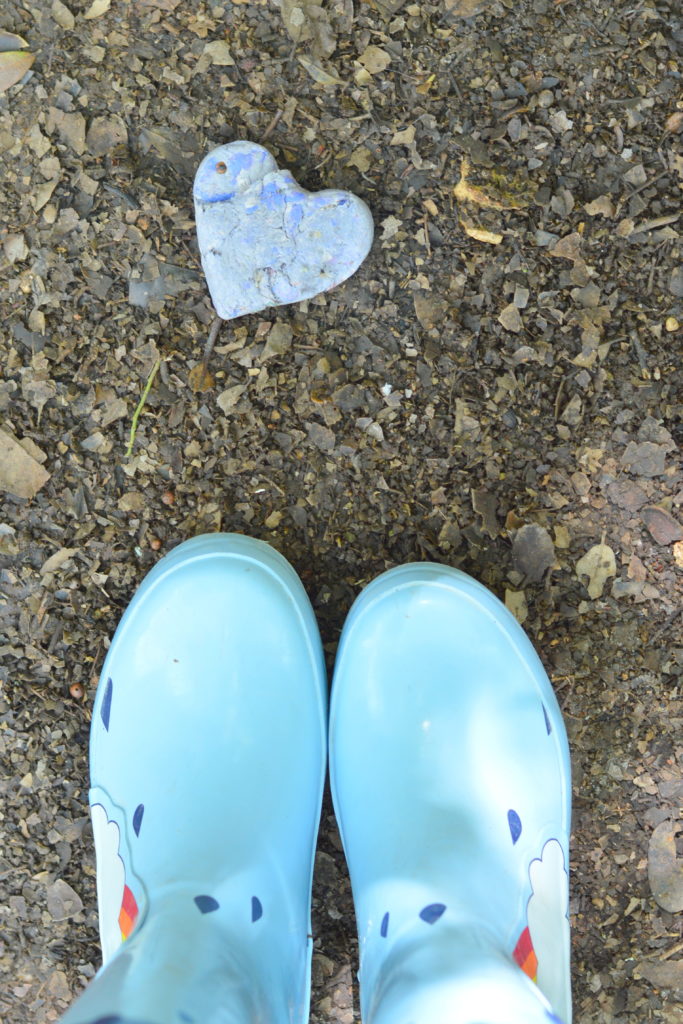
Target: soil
498 388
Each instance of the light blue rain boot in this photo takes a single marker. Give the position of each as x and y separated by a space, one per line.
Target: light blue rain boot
451 783
207 754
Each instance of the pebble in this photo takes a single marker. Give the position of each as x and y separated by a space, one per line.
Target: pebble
264 240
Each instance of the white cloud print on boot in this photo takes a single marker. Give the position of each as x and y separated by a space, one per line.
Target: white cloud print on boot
118 908
542 950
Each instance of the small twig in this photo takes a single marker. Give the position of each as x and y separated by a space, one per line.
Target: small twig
140 406
211 341
425 228
558 399
670 952
272 126
128 200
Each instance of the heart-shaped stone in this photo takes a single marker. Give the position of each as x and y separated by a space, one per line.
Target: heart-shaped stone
265 241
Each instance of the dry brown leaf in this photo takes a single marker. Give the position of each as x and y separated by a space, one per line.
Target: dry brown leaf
360 158
567 248
510 319
515 602
664 974
57 560
600 207
403 136
662 526
318 73
465 8
97 9
20 473
228 399
8 41
307 21
13 66
219 52
481 234
199 378
497 193
429 309
279 341
105 134
625 227
674 122
374 59
62 15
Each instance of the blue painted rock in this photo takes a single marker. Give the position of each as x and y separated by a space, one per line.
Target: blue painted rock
264 240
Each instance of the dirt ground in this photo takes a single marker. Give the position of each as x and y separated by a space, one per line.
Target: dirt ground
499 388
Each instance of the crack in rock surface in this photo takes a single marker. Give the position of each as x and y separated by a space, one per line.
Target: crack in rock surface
265 241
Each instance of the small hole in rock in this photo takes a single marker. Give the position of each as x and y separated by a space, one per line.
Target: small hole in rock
678 840
221 168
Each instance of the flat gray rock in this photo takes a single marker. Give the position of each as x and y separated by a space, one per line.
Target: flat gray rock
265 241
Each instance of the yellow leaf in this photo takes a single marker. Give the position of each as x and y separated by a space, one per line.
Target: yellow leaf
13 66
599 565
